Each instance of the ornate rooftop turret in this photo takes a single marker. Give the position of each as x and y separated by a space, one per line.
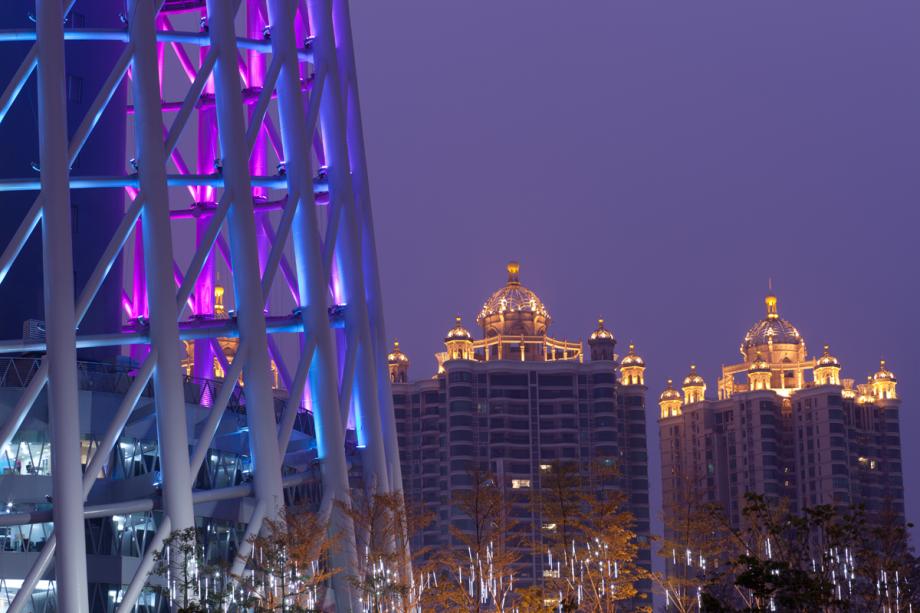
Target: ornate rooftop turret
602 343
632 368
398 365
694 386
827 369
458 332
670 401
884 383
602 333
459 342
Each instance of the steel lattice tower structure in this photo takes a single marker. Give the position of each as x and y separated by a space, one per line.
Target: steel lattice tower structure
262 153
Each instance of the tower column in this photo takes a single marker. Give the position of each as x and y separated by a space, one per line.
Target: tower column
244 254
313 295
63 399
158 263
354 262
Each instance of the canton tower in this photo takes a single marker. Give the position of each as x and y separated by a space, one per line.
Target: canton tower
189 252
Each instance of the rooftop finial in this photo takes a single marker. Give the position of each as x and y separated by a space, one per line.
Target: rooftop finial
514 270
770 301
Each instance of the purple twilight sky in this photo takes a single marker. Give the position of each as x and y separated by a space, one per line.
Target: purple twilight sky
654 163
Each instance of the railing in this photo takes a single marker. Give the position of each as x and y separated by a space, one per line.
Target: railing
17 372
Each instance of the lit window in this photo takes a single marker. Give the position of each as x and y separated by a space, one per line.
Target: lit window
520 483
545 466
550 526
550 573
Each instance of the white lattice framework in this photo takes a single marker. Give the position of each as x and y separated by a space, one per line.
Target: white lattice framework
269 91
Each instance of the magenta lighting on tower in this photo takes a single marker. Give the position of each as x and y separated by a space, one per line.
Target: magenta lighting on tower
250 278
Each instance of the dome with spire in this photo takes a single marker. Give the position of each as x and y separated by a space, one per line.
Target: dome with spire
772 329
669 393
632 358
693 379
884 374
694 387
458 332
827 359
396 356
602 333
512 298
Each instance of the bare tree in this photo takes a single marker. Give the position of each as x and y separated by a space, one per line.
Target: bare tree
392 576
287 570
589 547
477 572
696 544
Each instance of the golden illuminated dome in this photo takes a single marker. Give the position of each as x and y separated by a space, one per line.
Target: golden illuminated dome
771 329
513 298
601 333
458 332
693 379
884 374
632 358
669 393
759 364
396 356
827 359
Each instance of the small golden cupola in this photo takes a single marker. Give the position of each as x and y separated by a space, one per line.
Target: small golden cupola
602 343
827 369
759 373
670 402
459 342
884 384
398 365
632 368
694 387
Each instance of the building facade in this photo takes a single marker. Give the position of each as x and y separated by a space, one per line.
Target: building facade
512 403
784 425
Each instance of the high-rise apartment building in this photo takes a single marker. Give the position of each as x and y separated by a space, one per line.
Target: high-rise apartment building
776 431
512 403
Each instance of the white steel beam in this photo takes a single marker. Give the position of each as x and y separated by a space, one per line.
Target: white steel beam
355 132
313 295
158 263
57 245
260 410
348 248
